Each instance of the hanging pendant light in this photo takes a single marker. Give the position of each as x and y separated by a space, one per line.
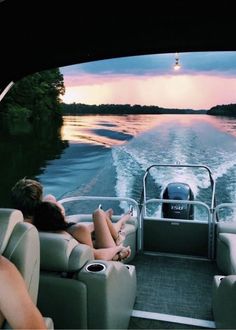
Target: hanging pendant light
177 66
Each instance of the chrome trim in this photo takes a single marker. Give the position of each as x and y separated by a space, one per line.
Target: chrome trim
174 319
6 90
173 255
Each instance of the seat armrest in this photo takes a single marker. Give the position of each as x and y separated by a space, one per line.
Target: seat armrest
111 292
226 227
224 302
49 323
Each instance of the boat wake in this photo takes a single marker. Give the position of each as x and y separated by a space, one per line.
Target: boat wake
171 144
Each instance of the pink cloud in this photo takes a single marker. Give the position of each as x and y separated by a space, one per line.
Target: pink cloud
169 91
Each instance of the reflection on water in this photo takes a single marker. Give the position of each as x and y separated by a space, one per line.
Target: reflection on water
103 130
81 128
25 150
225 124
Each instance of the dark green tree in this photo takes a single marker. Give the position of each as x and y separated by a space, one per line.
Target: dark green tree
223 110
35 97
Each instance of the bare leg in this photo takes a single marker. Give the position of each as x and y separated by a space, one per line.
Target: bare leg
122 221
117 226
103 223
123 254
103 232
111 253
82 233
103 235
112 228
105 247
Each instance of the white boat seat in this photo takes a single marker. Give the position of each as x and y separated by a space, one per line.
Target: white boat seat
224 301
60 252
226 253
101 293
226 247
19 242
226 227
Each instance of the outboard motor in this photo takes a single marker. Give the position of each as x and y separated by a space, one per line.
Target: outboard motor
180 191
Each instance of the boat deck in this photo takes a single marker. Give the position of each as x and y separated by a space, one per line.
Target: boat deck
173 286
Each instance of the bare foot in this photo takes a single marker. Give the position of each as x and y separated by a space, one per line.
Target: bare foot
125 217
123 254
116 256
120 224
109 213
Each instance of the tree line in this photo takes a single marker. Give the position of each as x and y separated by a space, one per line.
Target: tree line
223 110
108 109
37 97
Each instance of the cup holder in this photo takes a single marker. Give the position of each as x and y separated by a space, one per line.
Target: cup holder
95 268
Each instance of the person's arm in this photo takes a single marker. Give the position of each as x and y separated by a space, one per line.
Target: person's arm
1 320
16 305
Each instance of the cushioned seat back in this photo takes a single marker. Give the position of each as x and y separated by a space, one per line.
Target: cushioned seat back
61 297
19 242
60 252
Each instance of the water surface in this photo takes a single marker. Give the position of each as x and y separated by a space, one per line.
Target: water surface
108 155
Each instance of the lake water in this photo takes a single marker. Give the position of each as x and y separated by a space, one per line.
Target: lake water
108 155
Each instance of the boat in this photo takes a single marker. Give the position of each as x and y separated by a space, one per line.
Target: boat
181 273
176 254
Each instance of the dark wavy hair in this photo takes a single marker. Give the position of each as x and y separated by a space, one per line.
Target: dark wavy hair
48 217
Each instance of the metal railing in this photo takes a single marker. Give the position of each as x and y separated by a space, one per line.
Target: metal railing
194 166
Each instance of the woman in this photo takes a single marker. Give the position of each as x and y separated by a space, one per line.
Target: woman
107 245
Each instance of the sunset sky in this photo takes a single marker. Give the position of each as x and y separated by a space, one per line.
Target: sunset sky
204 80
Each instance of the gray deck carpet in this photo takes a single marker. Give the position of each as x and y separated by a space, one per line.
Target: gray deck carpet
174 286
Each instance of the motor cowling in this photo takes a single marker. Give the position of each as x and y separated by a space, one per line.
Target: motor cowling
178 191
